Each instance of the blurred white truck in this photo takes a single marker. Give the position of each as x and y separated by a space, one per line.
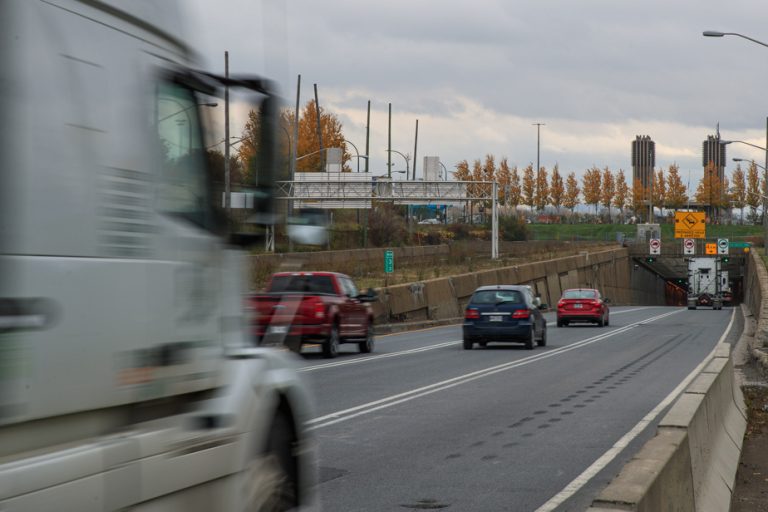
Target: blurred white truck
704 283
127 381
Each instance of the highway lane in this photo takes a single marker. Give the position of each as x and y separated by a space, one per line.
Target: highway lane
422 423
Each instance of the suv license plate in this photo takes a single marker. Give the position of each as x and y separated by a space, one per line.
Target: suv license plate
496 318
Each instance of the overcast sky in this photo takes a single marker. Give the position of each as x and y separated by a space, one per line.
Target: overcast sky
478 74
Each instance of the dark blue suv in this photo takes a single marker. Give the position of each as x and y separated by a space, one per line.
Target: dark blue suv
507 313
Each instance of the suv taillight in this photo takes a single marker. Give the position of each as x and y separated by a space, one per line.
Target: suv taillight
522 313
471 314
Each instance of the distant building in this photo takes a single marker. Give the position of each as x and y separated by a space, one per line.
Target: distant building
643 160
712 150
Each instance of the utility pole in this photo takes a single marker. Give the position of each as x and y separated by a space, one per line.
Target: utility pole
319 131
368 136
389 143
538 139
227 200
415 147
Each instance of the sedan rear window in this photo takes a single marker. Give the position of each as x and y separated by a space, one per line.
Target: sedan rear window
496 296
580 294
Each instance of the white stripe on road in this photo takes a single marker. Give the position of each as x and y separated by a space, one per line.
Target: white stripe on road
360 410
367 359
597 466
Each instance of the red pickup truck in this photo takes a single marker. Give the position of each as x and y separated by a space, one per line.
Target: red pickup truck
313 307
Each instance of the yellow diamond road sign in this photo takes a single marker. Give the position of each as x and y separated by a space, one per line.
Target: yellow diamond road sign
690 225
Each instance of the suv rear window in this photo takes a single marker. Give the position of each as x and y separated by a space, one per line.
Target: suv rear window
496 296
303 284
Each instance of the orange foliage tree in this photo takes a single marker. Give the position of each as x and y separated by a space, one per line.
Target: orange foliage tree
591 187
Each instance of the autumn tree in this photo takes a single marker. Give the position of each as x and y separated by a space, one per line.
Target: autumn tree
607 190
529 188
739 195
542 189
515 193
753 190
677 192
502 178
572 192
462 171
621 196
330 129
590 184
556 189
660 190
710 189
639 198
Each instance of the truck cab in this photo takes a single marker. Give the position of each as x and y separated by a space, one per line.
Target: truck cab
125 364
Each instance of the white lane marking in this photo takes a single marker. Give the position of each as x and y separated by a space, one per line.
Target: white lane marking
613 452
367 359
367 408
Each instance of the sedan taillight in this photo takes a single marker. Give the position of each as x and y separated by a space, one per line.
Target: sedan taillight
522 313
561 304
471 314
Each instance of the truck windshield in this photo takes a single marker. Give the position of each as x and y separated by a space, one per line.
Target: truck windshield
302 283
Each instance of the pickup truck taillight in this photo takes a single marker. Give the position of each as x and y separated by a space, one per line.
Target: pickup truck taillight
319 310
471 314
522 313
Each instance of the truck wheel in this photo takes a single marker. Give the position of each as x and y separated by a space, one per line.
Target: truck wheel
331 345
271 483
366 347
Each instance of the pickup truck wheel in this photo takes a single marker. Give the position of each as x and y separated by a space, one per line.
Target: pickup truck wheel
366 347
331 345
271 477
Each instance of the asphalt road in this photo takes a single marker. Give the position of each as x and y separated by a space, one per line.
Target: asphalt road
421 424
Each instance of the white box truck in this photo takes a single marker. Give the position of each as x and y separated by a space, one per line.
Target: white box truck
127 379
704 283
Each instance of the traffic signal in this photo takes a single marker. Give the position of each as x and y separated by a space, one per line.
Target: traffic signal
650 259
725 259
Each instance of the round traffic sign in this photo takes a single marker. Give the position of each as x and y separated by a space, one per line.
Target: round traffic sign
655 243
688 243
722 243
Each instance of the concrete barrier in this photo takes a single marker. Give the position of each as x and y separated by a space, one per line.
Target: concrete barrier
446 297
691 463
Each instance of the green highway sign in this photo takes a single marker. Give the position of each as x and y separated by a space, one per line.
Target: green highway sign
740 245
389 261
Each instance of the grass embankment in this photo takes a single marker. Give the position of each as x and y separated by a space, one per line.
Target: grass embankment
608 232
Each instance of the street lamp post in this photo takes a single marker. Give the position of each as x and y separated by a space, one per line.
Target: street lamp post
407 168
715 33
445 171
765 201
357 154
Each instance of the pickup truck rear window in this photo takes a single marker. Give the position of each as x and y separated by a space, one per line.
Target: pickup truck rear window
303 284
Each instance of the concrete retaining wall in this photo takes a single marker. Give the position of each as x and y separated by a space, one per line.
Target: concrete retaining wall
443 298
691 463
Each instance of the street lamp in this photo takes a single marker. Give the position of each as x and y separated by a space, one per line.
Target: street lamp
715 33
357 154
765 200
407 168
445 171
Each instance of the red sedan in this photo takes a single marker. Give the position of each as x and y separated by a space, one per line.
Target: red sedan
582 305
